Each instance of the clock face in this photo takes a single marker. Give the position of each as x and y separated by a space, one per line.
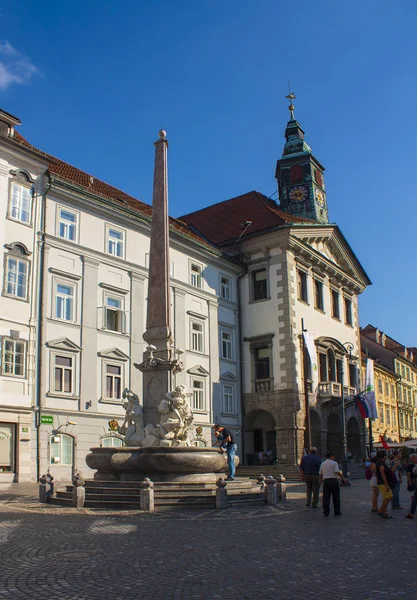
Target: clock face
298 194
320 198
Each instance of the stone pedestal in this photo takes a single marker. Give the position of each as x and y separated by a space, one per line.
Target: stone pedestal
221 494
78 492
281 488
147 495
271 491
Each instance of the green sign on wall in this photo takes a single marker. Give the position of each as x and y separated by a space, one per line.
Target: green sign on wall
47 419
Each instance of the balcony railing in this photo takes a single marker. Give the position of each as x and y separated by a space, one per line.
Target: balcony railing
263 385
333 389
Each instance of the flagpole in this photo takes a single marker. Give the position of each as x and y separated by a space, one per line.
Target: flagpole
371 437
307 430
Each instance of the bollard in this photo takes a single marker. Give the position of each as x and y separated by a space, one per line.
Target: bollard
271 491
147 495
78 491
261 482
221 494
281 488
46 488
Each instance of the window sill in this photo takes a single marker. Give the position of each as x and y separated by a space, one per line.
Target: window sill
229 360
224 414
349 325
111 401
198 353
13 376
63 321
62 396
336 319
114 255
320 310
6 295
260 300
10 218
199 411
118 333
306 302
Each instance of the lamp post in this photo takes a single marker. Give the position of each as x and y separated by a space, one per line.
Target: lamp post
348 346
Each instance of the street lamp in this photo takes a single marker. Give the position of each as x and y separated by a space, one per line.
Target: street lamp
348 347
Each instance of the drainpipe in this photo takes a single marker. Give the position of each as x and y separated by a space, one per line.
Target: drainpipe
245 227
39 321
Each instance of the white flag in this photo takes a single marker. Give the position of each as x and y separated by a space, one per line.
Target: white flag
370 389
312 352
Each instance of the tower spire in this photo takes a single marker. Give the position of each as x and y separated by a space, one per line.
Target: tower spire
291 96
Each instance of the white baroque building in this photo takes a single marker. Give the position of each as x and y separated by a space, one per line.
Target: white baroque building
245 275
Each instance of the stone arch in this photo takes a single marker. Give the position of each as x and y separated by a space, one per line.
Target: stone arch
335 435
260 433
316 431
354 445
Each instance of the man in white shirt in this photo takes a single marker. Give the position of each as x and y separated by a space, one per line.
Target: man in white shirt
329 478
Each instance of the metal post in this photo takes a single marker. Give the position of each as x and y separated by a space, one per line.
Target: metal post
307 431
371 437
344 441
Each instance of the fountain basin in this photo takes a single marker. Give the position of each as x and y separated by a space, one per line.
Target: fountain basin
177 464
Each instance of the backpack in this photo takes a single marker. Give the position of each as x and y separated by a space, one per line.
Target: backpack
368 473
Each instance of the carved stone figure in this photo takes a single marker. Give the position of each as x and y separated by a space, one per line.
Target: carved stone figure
133 425
174 428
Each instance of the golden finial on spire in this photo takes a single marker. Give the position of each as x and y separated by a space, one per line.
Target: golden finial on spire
291 97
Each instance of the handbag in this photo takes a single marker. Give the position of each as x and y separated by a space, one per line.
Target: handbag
411 488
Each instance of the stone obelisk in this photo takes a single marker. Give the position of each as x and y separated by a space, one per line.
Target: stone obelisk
158 359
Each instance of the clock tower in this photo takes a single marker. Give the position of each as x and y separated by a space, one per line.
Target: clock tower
300 175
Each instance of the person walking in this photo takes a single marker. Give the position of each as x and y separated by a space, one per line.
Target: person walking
231 447
374 483
309 471
395 465
329 477
412 487
385 477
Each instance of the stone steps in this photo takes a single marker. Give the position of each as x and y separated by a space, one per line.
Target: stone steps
290 472
126 495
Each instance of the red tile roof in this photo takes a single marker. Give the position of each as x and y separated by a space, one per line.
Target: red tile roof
222 222
69 173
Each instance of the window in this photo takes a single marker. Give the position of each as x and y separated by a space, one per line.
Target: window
409 396
198 394
386 389
388 415
226 345
225 287
197 336
114 315
113 389
67 224
13 357
353 376
335 305
64 301
16 283
380 386
348 312
63 374
111 441
318 293
259 285
393 417
7 446
323 366
21 203
392 391
195 275
228 399
302 285
381 412
62 449
262 363
115 242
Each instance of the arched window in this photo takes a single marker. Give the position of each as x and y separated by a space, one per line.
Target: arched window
331 365
62 449
112 441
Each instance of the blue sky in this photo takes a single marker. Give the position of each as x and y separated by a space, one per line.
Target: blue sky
93 82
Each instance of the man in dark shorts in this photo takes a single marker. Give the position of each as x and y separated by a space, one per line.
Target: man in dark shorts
231 447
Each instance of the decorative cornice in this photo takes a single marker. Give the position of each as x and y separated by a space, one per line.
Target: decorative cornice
113 288
63 344
65 274
114 354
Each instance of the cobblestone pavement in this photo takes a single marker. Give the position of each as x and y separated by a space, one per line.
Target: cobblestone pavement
256 552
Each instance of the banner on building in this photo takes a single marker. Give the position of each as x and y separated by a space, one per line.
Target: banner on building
365 401
312 352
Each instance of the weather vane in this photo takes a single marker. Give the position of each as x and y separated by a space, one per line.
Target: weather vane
291 97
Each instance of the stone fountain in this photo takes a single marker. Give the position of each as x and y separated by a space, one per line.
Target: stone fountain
159 434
